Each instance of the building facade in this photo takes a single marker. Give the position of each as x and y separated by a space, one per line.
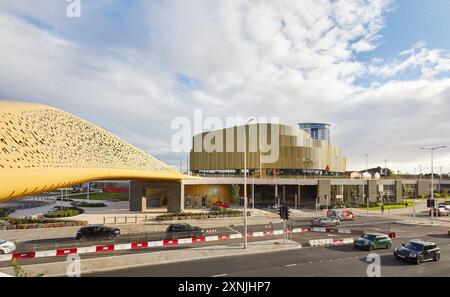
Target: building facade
271 150
318 131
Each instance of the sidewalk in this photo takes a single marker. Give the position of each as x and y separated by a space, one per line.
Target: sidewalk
155 258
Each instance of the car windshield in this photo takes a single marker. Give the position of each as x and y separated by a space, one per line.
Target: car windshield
2 241
414 246
369 236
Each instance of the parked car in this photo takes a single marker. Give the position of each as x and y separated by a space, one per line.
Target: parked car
223 204
447 207
342 214
324 222
371 241
6 247
97 231
439 211
416 251
176 231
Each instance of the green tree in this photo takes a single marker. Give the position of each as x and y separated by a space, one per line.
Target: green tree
235 193
19 271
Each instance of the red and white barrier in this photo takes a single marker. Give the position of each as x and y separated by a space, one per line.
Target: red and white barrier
183 241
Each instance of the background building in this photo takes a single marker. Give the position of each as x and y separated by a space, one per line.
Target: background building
318 131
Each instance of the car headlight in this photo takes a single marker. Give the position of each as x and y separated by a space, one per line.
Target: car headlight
412 255
366 243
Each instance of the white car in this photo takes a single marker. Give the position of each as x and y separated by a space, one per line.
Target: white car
6 247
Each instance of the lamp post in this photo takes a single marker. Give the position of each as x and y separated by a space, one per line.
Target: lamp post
245 181
432 149
364 191
385 168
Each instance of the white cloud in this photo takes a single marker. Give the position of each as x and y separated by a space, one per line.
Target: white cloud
428 62
290 59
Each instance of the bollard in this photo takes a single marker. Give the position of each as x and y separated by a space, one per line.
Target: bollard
104 221
126 219
135 220
115 220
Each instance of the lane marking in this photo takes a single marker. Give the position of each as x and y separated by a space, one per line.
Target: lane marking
220 275
235 231
291 265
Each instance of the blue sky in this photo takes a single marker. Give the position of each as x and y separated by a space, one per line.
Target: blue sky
377 70
411 21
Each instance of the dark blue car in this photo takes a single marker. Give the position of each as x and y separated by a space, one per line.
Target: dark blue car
416 251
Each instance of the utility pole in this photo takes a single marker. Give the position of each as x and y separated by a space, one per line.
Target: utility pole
245 181
385 168
432 149
364 182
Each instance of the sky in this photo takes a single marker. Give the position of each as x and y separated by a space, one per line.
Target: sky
377 70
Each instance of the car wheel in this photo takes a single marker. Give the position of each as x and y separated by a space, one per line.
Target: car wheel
419 260
437 257
388 246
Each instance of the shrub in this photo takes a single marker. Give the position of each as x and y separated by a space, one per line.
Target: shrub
4 224
64 213
88 204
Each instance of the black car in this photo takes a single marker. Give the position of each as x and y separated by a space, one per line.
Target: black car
176 231
97 231
416 251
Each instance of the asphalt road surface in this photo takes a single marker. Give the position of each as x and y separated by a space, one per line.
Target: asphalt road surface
335 261
71 242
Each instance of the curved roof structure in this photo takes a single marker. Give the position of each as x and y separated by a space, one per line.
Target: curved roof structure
43 148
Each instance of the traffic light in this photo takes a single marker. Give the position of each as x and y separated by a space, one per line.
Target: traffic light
430 203
284 212
281 211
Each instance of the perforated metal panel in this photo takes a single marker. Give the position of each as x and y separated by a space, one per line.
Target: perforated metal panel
44 148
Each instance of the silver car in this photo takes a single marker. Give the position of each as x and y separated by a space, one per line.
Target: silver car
325 222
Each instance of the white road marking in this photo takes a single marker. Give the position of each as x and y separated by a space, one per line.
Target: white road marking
291 265
237 232
220 275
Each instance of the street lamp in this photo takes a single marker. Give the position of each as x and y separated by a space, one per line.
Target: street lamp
364 190
432 149
245 181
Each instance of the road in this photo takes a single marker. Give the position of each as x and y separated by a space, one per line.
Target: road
70 242
309 261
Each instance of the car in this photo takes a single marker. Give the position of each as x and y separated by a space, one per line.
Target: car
325 222
440 211
223 204
371 241
416 251
176 231
447 207
6 247
342 214
97 231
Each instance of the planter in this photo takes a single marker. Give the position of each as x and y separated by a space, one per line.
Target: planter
22 226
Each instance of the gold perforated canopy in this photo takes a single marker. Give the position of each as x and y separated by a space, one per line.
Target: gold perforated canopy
43 148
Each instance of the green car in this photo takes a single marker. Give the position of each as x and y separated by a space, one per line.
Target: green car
371 241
